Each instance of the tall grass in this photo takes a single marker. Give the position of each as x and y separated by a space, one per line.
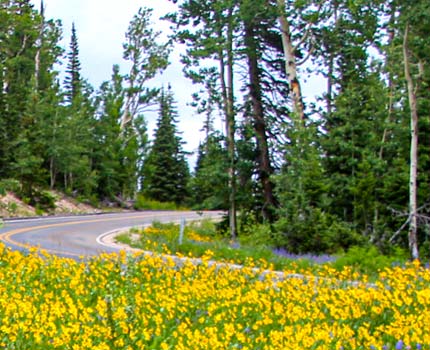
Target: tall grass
143 203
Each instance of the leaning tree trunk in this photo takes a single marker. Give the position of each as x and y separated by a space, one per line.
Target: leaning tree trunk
413 225
260 126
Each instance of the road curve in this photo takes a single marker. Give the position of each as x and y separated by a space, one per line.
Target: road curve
76 236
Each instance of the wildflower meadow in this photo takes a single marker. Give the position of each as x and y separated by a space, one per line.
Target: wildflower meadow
140 301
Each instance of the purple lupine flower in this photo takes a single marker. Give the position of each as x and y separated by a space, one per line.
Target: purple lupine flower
399 345
235 245
419 346
319 259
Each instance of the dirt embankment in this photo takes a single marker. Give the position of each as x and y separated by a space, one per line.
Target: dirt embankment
12 206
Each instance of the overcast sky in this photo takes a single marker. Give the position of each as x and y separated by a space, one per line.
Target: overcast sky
101 26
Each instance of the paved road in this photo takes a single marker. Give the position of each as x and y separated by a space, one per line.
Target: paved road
76 236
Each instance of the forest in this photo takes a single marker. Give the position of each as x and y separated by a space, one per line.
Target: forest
350 169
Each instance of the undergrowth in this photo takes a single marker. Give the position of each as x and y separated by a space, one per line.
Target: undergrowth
201 237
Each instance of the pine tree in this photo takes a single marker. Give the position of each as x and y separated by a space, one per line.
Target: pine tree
73 80
353 121
75 165
166 170
18 33
209 30
209 183
257 25
107 153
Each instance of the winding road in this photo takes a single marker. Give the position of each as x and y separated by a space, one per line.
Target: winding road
80 236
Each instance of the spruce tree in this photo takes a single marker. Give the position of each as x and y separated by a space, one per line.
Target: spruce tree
166 171
107 160
209 184
73 81
18 30
76 165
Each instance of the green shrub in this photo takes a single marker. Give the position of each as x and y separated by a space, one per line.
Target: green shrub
205 227
9 185
12 207
258 235
315 231
124 238
39 210
43 200
368 260
92 200
424 249
143 203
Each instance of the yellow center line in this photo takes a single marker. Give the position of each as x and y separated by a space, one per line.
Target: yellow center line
7 236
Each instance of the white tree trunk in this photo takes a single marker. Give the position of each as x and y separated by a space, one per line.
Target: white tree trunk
413 225
290 62
39 43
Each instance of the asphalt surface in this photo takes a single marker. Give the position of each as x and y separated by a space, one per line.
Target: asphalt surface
77 236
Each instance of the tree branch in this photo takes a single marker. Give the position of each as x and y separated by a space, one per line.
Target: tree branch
308 55
24 43
400 229
421 218
308 29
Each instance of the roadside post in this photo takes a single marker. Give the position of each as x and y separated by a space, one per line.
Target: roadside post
181 231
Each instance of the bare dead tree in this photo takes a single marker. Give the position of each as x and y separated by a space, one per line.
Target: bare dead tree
422 216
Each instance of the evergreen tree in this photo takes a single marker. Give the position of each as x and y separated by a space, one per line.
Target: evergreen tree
107 158
51 114
18 33
255 28
209 183
355 117
75 165
73 80
166 171
209 31
45 99
78 127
